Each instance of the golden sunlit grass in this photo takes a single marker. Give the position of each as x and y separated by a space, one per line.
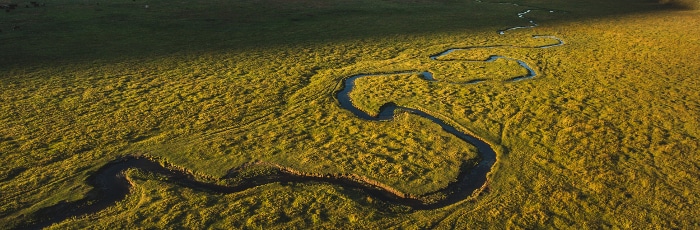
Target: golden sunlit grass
604 137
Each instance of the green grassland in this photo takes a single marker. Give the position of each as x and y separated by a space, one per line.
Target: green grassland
606 136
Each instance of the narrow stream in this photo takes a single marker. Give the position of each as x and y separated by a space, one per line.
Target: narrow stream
111 185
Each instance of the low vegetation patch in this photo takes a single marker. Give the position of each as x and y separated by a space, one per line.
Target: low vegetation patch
604 137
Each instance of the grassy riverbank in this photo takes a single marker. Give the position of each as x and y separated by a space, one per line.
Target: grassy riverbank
605 136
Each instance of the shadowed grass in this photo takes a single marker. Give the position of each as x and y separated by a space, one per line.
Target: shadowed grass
604 137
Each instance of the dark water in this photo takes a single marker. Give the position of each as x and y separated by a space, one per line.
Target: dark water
110 185
468 180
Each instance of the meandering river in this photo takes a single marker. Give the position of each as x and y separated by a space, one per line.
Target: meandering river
110 185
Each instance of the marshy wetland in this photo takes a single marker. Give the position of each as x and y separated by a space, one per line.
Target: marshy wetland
360 114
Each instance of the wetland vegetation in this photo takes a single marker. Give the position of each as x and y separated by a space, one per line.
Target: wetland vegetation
605 136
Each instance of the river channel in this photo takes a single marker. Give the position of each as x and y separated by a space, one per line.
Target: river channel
111 185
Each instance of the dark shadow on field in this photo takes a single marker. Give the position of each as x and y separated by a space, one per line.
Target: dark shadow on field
63 33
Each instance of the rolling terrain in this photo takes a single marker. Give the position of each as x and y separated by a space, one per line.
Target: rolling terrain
602 131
